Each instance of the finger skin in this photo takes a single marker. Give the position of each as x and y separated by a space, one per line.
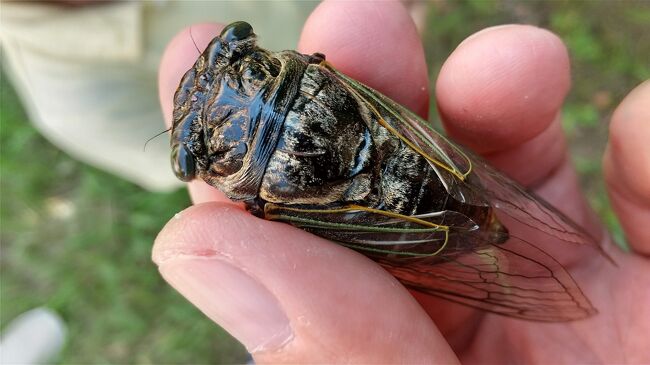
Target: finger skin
627 167
342 307
376 43
502 87
500 93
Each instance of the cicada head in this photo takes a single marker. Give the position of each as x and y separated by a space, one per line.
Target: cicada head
217 109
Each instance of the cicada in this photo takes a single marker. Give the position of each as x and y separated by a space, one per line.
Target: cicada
299 142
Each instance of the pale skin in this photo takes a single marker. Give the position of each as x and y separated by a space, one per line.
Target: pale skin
499 93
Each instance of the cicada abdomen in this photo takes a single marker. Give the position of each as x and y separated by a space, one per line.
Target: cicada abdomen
301 143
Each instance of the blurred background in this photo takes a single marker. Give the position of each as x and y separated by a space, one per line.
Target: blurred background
77 240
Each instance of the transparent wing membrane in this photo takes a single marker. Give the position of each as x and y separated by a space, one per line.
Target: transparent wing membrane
515 279
456 262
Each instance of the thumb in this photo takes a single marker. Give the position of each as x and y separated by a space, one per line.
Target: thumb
289 296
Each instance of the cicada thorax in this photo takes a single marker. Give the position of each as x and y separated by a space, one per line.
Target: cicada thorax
324 153
333 153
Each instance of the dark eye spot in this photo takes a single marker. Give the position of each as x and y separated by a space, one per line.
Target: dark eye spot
236 31
183 163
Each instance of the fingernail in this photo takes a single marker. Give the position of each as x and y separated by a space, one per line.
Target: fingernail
231 298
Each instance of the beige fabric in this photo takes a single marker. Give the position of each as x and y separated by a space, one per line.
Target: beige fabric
88 75
86 33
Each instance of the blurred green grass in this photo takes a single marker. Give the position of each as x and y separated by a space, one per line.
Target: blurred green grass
78 240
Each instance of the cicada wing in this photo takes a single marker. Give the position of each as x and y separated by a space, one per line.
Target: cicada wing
452 165
514 279
468 179
448 255
521 276
376 233
533 216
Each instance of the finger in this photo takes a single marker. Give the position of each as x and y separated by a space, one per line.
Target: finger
179 56
289 296
500 93
375 43
627 167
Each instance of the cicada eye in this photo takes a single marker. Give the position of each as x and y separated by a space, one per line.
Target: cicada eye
183 163
236 31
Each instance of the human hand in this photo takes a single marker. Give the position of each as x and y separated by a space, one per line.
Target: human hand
292 297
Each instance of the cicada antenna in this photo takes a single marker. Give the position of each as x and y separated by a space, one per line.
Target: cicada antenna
144 149
193 41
